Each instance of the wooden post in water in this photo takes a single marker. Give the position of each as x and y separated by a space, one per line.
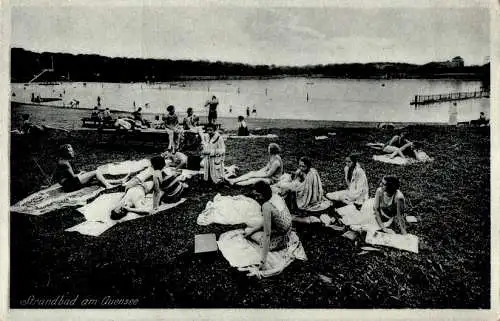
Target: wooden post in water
266 91
307 97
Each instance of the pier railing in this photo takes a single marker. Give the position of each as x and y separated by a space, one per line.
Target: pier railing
438 98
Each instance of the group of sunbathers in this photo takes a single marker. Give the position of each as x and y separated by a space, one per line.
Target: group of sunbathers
153 178
274 190
306 187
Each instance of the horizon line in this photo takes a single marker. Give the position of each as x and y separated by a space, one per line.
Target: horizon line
244 63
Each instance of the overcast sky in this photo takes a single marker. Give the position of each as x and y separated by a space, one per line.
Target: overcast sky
257 35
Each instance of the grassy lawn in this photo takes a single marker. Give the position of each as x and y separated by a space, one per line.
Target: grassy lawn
152 259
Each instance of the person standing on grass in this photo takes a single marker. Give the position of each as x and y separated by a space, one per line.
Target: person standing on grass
70 181
389 205
277 223
212 109
242 128
172 127
357 184
213 154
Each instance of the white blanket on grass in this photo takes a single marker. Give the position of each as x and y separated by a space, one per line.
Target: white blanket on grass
53 197
231 210
422 157
126 167
246 255
97 214
407 242
364 220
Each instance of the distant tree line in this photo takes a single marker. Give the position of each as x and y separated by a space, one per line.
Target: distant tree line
95 68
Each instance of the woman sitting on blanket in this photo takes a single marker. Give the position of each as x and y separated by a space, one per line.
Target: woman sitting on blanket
277 224
389 205
270 174
357 184
70 181
152 179
304 191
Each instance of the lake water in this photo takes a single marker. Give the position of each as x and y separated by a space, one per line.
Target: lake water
287 98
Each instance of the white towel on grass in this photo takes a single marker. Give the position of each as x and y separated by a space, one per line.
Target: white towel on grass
364 220
398 160
407 242
251 136
422 157
53 198
125 167
231 210
97 214
246 255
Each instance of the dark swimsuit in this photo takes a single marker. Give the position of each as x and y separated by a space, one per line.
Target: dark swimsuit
400 143
70 183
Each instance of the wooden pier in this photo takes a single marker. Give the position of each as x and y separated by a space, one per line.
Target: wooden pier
439 98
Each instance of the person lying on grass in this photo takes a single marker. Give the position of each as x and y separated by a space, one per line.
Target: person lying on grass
357 184
303 191
151 173
70 181
270 173
389 205
397 146
165 189
277 221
